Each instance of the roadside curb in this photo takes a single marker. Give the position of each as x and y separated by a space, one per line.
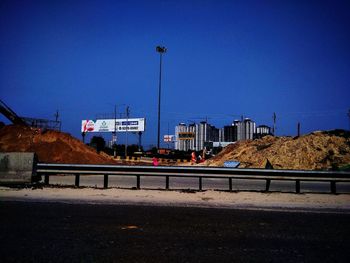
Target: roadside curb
206 199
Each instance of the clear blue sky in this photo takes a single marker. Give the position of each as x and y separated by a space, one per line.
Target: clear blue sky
224 59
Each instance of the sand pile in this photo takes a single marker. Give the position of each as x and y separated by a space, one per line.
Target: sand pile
318 150
50 146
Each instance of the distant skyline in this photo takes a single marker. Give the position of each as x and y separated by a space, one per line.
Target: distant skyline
224 59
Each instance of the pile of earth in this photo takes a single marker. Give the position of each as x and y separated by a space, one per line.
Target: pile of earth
50 146
315 151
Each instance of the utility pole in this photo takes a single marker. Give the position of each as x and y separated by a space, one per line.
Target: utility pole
349 118
298 128
161 51
168 138
56 116
242 129
57 121
274 124
140 134
126 135
115 132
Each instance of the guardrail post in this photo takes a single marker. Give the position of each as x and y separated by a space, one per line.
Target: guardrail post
333 187
105 181
46 179
268 182
138 182
77 180
167 182
297 186
44 171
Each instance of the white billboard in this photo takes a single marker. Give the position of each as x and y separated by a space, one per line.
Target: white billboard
169 138
111 125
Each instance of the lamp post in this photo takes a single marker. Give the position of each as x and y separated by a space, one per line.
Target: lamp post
126 130
160 50
114 138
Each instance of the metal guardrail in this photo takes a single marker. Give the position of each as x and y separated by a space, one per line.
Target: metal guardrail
45 169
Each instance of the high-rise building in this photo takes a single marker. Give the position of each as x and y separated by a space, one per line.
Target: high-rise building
222 134
261 131
192 142
242 130
179 142
196 136
249 129
237 130
202 135
229 134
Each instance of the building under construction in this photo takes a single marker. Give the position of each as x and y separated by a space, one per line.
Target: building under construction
194 136
197 136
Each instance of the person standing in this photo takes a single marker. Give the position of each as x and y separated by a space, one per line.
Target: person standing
155 161
193 158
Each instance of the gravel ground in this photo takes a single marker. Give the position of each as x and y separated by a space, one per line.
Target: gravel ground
209 198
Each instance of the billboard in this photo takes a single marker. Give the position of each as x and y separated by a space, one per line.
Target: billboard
169 138
111 125
186 135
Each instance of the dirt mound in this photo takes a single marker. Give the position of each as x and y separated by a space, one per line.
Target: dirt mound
50 146
318 150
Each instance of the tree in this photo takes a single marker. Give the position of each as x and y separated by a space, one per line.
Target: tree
98 143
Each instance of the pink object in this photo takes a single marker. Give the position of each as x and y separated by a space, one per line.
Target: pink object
155 161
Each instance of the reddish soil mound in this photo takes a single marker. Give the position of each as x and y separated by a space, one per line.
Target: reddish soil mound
50 146
318 150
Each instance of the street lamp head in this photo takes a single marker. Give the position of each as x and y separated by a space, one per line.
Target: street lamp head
161 49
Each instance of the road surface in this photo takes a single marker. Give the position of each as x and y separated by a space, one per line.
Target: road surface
59 232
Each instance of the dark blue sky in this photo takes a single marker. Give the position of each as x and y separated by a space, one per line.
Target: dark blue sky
224 59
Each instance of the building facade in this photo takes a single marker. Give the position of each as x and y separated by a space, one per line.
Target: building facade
240 130
261 131
196 136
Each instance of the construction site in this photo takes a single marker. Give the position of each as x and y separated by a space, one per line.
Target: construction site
320 150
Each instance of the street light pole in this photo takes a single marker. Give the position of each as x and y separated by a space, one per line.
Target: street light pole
127 128
160 50
115 132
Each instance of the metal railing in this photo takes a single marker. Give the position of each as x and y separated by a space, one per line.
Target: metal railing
47 170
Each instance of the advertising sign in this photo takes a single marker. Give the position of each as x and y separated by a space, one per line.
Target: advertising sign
169 138
186 135
111 125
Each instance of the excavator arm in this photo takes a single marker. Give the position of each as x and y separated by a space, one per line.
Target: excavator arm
10 114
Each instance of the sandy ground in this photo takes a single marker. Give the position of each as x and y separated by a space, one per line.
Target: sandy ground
209 198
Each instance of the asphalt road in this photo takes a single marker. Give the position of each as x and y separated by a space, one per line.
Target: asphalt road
57 232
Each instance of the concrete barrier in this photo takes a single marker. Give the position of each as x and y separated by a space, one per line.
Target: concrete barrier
18 168
146 159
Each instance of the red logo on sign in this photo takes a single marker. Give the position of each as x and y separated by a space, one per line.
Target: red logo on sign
89 126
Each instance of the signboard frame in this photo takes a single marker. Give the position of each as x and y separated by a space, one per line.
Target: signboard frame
113 125
186 135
